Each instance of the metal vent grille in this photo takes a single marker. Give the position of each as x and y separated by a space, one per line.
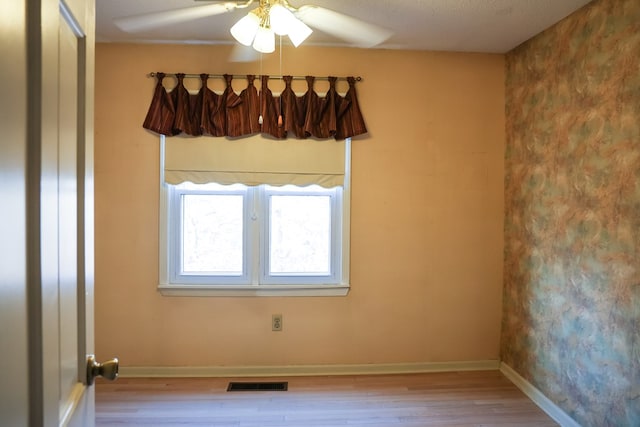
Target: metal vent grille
258 386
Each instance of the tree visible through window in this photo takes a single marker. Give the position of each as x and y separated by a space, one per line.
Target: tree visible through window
212 230
300 234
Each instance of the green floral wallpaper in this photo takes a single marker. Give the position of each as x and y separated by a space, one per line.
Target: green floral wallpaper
571 322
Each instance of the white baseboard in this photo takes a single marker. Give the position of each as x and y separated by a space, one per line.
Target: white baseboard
553 410
305 370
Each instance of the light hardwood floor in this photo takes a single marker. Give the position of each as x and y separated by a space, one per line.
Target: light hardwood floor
483 398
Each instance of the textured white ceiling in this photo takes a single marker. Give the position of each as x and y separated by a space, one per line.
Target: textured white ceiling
447 25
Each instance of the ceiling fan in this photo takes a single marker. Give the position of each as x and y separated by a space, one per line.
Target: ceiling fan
270 17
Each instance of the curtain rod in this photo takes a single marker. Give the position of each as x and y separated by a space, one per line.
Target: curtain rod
244 76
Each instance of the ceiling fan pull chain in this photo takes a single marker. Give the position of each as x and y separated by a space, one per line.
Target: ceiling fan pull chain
280 98
260 119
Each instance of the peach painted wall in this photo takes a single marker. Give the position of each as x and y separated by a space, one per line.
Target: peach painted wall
427 219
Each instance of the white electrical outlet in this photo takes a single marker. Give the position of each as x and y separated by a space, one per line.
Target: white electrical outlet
276 322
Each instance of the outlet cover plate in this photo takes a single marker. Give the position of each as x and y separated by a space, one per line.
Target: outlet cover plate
276 322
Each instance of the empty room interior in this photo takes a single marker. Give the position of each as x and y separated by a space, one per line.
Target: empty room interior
488 221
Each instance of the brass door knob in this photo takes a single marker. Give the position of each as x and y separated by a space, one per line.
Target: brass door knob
107 370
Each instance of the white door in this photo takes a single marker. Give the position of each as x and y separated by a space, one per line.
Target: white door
46 191
75 399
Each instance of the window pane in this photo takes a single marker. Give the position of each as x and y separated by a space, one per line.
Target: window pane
300 235
212 234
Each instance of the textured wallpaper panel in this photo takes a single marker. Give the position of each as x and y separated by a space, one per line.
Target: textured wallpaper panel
571 324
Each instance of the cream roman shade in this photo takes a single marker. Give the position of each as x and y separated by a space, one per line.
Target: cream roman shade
254 160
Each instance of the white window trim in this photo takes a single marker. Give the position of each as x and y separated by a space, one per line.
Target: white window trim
174 250
167 288
336 236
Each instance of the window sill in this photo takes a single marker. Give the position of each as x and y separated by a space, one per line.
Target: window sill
178 290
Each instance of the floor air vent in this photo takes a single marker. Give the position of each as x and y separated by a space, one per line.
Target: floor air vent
261 386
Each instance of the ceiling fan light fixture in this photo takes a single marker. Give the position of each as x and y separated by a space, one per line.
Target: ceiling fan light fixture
298 31
246 29
281 19
258 27
265 40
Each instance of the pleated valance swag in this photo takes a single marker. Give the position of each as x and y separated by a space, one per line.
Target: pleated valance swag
255 112
255 124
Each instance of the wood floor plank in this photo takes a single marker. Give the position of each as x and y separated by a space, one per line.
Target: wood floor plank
453 399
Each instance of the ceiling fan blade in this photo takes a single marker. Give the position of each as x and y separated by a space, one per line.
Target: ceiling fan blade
148 21
353 30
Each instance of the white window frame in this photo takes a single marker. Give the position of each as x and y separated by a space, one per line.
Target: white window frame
336 235
175 245
259 282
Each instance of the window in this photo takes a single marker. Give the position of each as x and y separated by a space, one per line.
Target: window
254 240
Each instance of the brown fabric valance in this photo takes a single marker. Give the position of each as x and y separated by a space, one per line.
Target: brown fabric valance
251 112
